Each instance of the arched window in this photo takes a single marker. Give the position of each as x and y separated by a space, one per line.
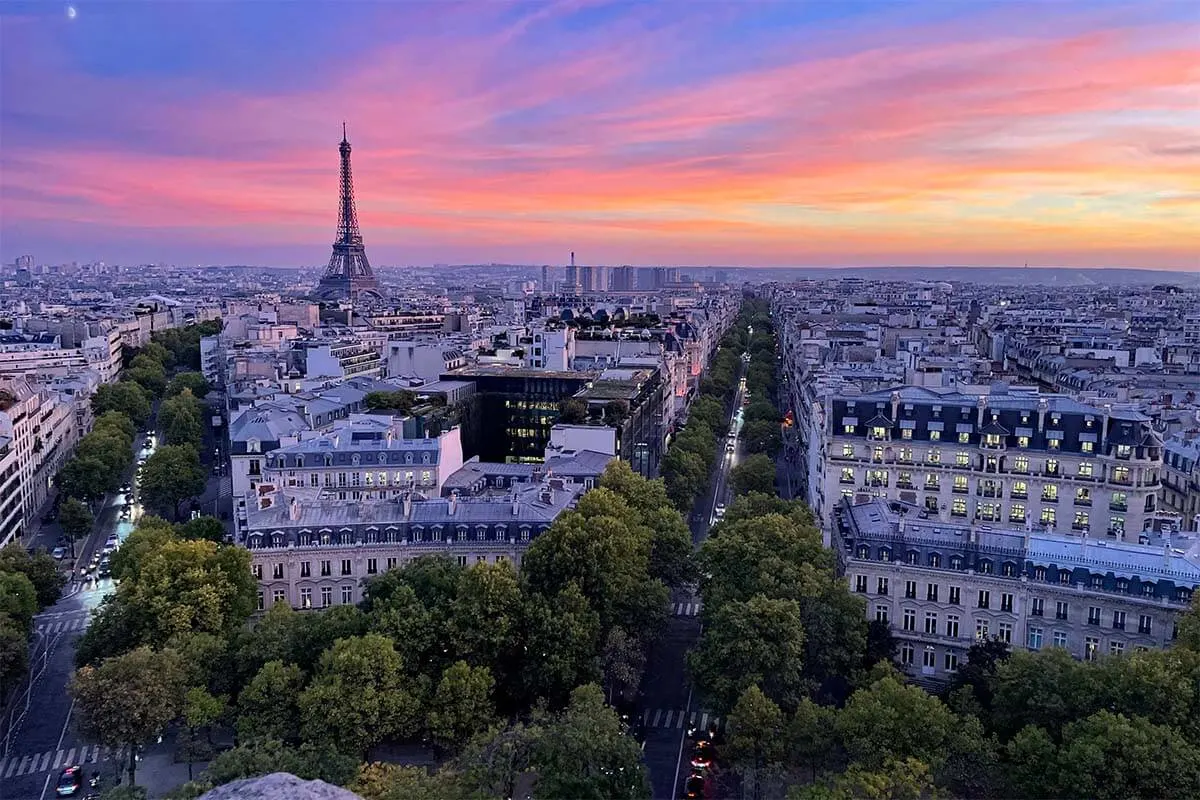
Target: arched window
254 541
913 557
408 458
885 554
425 458
354 459
863 551
935 560
299 461
1009 569
382 457
956 562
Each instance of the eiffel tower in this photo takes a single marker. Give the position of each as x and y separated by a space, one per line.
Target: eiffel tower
349 275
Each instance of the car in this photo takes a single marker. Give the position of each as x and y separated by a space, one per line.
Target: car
104 570
702 755
59 553
731 446
70 781
693 789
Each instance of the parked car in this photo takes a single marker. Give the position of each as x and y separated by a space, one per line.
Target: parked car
59 553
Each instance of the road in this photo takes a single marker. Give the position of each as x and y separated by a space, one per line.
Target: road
669 708
43 741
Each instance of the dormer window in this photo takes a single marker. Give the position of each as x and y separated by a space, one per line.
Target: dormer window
383 458
253 446
425 458
408 459
354 459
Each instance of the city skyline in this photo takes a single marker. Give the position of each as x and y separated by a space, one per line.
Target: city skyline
771 135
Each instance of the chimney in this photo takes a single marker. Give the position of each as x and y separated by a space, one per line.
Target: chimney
546 495
1104 426
1083 541
408 505
981 404
453 502
1042 407
1028 534
294 510
1166 548
572 258
516 506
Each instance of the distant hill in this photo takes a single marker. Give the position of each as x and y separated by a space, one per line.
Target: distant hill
997 276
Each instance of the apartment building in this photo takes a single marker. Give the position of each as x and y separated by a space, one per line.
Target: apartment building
940 587
312 553
1006 457
1181 478
40 431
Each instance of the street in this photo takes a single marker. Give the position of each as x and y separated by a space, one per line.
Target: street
42 741
668 706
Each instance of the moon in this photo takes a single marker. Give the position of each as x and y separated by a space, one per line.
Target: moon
71 12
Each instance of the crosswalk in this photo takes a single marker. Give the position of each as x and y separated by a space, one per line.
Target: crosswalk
679 718
62 626
688 609
31 764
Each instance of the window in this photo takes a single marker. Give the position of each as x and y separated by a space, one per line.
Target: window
931 622
929 659
305 569
1006 630
347 595
960 483
1022 441
1091 644
881 614
1081 519
906 653
985 598
1118 620
981 629
1016 513
1087 447
931 592
306 598
934 456
462 561
1049 517
962 458
1020 490
277 571
1086 470
326 596
1093 615
1039 573
1035 639
848 429
1052 464
1050 493
1145 624
964 438
910 619
860 583
935 560
1060 639
881 586
326 569
906 433
935 436
261 601
952 626
847 451
1116 648
256 571
391 562
931 481
958 507
1037 607
847 475
1021 464
951 662
954 596
372 566
278 596
910 589
1060 609
1006 602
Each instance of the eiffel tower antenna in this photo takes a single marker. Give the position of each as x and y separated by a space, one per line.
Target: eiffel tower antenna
349 273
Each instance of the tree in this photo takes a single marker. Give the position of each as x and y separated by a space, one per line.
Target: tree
615 413
38 567
125 397
890 720
584 753
461 705
130 699
572 411
710 411
14 652
192 382
185 429
896 779
809 738
88 478
268 707
360 696
116 422
762 436
399 400
484 615
200 710
978 672
685 476
76 521
1110 755
623 660
171 475
262 757
208 528
560 635
1047 688
1029 759
755 744
156 354
18 599
755 474
758 642
379 781
671 541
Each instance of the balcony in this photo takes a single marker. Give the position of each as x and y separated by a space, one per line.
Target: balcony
1118 506
932 487
960 490
1018 495
1086 502
1049 498
989 492
905 485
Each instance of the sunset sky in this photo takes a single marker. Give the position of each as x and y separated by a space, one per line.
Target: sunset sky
751 133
